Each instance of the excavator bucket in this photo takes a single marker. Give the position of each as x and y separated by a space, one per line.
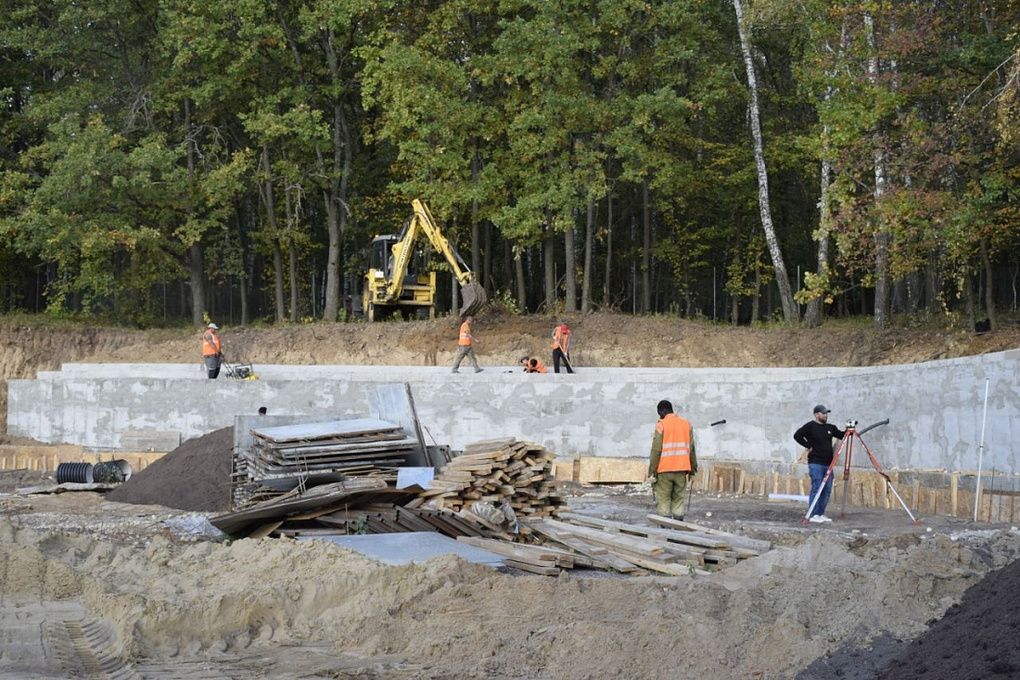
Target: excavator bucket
474 297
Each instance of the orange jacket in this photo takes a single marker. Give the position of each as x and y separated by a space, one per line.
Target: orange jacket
676 444
465 334
539 367
210 343
561 338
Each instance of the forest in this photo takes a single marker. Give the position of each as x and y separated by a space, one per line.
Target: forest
746 161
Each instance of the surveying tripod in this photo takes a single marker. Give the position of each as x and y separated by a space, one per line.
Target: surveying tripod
849 436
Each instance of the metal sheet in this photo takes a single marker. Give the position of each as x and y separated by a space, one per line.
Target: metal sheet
320 430
404 548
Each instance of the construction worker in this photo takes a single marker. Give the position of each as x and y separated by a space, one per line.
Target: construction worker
561 347
465 346
673 461
816 436
212 350
534 365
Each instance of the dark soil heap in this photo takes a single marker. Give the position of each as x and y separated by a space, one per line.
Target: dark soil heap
194 476
976 639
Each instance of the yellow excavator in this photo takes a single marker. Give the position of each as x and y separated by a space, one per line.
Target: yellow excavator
397 279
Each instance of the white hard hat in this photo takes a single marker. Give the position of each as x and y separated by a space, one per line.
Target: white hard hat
213 326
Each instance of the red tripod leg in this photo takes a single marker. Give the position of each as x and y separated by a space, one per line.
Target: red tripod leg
848 439
888 482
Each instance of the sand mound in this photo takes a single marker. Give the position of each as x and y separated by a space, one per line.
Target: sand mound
194 476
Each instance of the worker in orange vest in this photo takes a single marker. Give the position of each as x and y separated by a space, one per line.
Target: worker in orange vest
533 365
212 350
673 461
561 347
465 346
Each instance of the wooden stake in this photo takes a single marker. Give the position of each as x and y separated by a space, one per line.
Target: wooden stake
954 492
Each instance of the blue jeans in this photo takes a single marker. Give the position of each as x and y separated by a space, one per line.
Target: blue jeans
817 472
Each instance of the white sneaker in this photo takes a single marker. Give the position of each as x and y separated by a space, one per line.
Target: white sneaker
824 518
817 519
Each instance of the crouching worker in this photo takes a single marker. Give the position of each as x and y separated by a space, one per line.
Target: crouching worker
673 461
533 365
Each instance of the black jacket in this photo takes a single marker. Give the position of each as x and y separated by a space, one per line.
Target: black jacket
817 437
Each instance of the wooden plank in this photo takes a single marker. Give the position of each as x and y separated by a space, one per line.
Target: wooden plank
630 543
663 568
651 533
265 529
524 566
735 540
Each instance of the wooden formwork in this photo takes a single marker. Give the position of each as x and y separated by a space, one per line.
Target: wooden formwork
47 458
926 492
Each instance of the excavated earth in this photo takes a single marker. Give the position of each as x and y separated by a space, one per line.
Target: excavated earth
128 585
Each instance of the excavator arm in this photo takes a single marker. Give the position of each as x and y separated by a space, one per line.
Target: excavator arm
422 221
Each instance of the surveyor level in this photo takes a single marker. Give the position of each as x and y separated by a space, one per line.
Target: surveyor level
850 435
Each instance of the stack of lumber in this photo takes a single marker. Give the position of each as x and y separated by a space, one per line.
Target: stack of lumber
494 471
631 549
280 459
388 518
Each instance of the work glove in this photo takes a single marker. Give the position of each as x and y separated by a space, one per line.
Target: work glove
651 479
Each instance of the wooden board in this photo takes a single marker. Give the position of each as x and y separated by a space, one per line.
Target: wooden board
596 470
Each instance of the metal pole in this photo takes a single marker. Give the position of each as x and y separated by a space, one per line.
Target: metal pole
981 454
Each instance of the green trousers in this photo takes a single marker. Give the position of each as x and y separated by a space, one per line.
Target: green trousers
669 493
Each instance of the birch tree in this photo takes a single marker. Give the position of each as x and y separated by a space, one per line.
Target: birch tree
791 313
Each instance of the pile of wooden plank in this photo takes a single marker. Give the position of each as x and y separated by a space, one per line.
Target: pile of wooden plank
582 541
494 471
281 459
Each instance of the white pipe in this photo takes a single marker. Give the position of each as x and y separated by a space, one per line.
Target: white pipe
981 453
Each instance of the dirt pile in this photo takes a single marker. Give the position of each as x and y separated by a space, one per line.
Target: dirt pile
194 476
764 618
977 638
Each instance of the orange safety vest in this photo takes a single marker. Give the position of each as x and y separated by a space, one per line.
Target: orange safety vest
676 444
210 343
465 334
561 338
539 367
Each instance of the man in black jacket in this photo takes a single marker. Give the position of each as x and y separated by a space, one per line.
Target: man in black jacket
816 436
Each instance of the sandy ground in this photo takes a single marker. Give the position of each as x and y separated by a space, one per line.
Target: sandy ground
88 582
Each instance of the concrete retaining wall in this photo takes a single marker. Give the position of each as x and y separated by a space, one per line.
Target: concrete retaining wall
935 408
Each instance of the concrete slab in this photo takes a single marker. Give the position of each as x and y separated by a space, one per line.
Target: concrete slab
404 548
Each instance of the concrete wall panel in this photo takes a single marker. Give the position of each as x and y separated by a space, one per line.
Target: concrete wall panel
934 408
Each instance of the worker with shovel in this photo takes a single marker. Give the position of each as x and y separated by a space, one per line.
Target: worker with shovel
561 347
465 346
673 461
212 350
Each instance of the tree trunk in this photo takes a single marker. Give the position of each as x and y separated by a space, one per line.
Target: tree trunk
790 310
522 295
646 248
548 253
242 241
336 202
196 259
989 287
814 308
570 304
882 238
476 241
606 287
292 252
586 275
274 228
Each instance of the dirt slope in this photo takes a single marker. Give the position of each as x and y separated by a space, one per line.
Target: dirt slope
598 340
